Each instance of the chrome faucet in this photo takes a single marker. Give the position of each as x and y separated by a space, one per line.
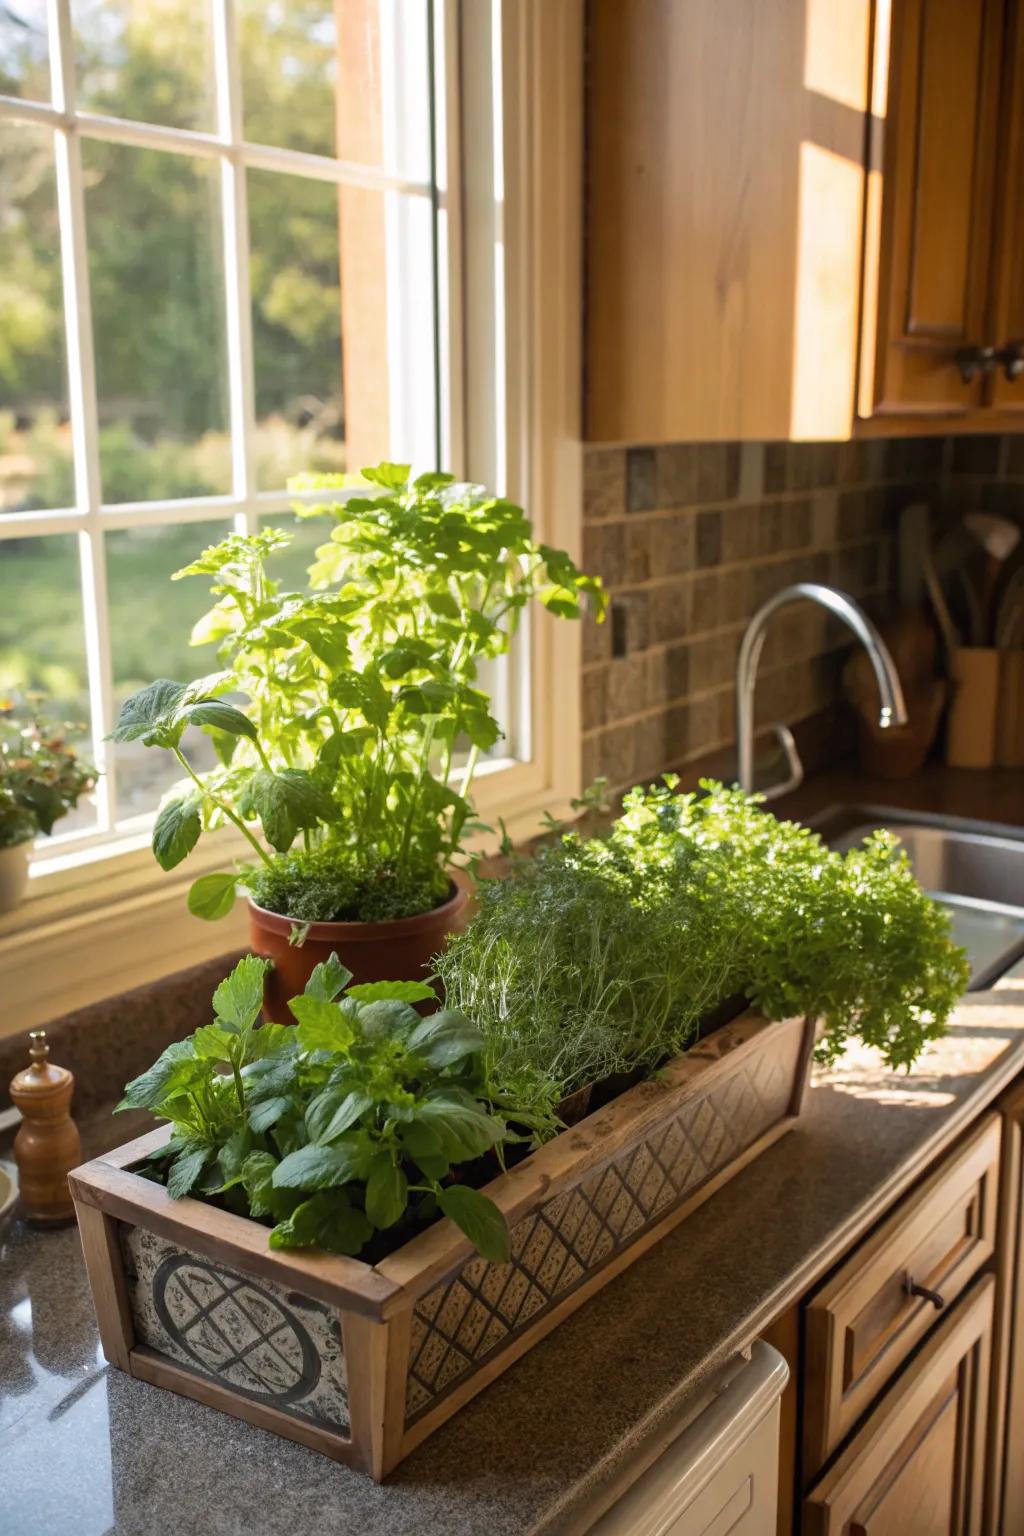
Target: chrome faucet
893 710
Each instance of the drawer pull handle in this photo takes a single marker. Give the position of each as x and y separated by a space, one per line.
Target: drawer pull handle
913 1289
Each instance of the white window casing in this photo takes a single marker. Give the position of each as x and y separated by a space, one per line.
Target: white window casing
101 916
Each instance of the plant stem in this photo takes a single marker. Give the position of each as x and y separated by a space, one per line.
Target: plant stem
220 804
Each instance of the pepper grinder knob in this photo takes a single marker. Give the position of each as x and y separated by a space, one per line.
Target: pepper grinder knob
47 1145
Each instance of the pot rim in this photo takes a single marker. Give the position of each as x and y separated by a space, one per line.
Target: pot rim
23 847
351 929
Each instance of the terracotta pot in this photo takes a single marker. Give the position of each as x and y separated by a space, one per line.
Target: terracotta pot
399 950
13 875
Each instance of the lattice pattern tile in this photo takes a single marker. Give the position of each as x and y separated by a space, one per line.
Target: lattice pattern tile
269 1344
462 1321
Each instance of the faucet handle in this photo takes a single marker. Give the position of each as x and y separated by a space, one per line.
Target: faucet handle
786 740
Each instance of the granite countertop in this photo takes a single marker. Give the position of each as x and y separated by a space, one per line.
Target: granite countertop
87 1450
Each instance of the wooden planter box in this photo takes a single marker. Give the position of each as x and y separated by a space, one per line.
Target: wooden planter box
363 1362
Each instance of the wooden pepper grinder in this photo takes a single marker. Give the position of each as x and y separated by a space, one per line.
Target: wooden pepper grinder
47 1145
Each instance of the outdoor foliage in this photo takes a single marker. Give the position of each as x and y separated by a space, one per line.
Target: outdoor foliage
603 954
363 1118
362 721
41 777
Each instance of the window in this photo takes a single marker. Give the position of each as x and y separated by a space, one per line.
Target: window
226 249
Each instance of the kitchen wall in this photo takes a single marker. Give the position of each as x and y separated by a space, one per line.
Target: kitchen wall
692 538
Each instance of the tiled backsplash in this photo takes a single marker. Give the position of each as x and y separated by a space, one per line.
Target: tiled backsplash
691 539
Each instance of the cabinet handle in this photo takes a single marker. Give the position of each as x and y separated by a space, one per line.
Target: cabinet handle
913 1289
1010 356
974 360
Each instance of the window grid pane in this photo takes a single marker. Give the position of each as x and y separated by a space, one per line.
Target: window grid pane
95 511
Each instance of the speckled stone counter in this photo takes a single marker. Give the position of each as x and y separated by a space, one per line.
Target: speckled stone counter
86 1450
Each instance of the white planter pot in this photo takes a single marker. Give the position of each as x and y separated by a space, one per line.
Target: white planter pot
13 875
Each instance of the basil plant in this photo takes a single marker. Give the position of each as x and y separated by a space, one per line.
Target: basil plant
348 718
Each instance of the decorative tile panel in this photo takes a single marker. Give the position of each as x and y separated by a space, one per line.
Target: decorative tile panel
478 1311
262 1341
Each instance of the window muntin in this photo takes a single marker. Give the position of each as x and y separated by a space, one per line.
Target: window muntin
183 413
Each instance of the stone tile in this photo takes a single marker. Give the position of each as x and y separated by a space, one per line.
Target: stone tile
713 660
630 623
639 540
617 755
718 471
594 697
826 464
597 638
770 529
650 755
709 538
677 474
751 478
627 687
850 462
704 613
1015 456
668 673
796 524
976 455
672 547
734 595
776 468
739 532
604 552
803 459
670 611
824 518
604 483
852 514
641 480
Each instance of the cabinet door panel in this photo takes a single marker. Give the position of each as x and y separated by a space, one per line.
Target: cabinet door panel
933 141
863 1323
917 1464
1008 307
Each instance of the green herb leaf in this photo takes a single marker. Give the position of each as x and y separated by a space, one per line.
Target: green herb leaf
387 1193
445 1038
322 1025
175 1070
268 1112
327 979
465 1130
316 1167
479 1218
176 830
393 991
212 896
185 1172
239 997
223 717
149 715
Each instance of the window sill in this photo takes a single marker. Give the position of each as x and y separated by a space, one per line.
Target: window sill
108 918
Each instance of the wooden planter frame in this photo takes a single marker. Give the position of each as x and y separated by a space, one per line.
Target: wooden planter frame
413 1337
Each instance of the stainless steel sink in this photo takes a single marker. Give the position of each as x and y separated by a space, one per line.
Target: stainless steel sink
975 869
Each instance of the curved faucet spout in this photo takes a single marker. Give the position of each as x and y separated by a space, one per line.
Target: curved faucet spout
893 710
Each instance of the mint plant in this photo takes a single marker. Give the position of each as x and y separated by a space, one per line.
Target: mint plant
349 760
364 1118
604 954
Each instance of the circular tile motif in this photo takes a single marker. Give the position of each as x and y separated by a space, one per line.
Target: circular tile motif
235 1330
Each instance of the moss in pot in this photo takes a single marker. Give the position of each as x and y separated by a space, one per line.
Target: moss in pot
348 764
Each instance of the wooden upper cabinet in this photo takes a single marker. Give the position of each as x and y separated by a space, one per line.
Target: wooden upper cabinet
799 213
1007 325
933 136
725 191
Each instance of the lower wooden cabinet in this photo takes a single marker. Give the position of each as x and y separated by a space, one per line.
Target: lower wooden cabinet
916 1467
1006 1498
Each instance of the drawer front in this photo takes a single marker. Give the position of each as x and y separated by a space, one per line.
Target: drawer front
916 1466
864 1322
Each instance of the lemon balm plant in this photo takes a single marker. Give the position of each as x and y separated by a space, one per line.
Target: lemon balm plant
348 717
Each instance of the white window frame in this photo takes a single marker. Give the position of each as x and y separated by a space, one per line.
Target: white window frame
85 946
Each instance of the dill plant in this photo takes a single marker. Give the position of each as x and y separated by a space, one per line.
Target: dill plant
604 954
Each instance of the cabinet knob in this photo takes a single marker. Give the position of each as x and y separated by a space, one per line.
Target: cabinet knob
1010 358
974 360
913 1289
